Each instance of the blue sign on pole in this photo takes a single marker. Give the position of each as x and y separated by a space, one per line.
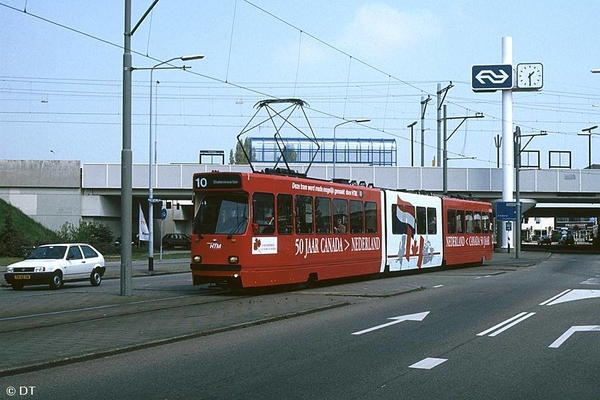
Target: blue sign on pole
163 214
506 211
489 78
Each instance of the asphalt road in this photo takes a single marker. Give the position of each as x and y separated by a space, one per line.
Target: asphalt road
477 333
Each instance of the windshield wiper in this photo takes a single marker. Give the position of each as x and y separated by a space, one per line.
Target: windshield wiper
238 226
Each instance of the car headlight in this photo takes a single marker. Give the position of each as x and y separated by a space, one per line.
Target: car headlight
10 270
39 269
197 259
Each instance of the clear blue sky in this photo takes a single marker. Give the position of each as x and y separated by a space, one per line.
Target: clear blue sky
61 73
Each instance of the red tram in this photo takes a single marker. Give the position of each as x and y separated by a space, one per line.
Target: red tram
264 229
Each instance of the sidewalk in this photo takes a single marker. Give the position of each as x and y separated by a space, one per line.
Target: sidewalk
42 328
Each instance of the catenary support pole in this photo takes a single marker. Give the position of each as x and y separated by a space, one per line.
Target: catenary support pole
507 139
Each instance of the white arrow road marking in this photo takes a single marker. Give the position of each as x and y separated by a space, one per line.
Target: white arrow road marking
571 295
428 363
591 281
583 328
396 320
509 323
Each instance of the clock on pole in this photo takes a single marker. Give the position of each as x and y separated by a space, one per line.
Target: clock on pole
530 76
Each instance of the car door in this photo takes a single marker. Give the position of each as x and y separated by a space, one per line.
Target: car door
76 267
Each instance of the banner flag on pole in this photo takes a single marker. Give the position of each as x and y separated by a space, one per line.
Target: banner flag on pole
144 233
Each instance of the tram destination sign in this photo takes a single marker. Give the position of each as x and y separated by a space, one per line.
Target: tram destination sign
217 181
489 78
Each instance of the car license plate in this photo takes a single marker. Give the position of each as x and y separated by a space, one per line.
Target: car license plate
22 277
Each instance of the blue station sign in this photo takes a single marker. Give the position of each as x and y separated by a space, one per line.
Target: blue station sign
506 211
489 78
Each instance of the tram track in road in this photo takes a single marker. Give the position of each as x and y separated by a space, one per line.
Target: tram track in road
65 316
40 340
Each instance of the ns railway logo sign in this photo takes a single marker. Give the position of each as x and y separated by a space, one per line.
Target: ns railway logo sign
489 78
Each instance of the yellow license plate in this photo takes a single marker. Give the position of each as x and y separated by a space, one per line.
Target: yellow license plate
22 276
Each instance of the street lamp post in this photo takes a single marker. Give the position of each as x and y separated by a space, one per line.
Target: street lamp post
151 199
589 135
127 154
357 121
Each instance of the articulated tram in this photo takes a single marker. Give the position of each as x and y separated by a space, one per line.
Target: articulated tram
265 229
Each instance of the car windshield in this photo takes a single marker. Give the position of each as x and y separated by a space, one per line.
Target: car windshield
222 214
48 253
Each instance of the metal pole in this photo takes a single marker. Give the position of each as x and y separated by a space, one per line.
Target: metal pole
126 162
438 160
590 150
440 101
498 144
423 108
335 146
445 118
445 161
517 147
412 142
589 133
507 137
412 148
151 199
150 189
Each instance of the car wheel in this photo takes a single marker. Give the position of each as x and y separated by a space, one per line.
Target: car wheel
57 280
95 278
17 286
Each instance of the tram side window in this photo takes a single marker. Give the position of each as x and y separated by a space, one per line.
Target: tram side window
469 221
284 214
403 219
304 214
485 219
421 220
323 214
356 216
451 219
460 221
477 222
431 221
263 218
340 216
371 217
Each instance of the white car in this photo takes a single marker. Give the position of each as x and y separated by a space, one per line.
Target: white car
54 264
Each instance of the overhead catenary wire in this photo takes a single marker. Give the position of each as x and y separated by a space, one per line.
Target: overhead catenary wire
369 93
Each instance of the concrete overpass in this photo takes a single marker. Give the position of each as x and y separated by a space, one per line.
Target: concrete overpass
55 192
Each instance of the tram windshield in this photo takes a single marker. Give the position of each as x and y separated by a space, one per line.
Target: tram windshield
225 214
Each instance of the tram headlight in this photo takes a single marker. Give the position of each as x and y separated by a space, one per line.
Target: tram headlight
233 259
197 259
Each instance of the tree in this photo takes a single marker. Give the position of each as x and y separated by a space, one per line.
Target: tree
94 233
290 153
240 157
11 239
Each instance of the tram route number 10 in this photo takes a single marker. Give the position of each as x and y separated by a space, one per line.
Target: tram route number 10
201 182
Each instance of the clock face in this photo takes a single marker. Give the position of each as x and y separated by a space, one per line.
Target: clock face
530 76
